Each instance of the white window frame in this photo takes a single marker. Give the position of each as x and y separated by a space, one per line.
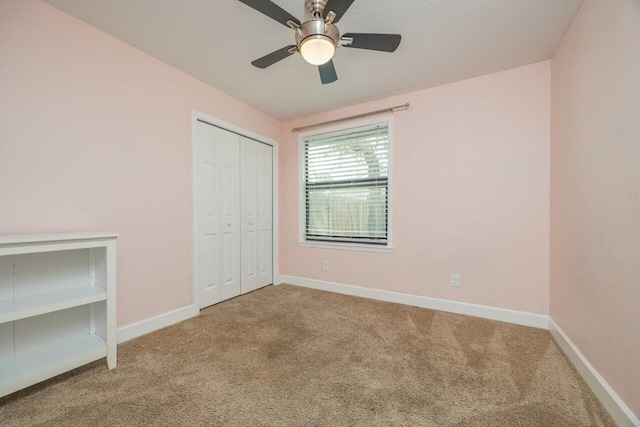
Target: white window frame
354 246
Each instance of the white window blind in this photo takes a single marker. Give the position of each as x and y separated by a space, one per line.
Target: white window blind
346 186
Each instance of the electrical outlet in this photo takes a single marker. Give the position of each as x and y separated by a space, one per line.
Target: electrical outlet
325 265
455 280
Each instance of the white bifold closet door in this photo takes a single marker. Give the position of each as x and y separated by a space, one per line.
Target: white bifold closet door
255 211
235 228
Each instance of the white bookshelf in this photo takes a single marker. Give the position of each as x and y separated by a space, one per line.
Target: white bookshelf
57 305
34 305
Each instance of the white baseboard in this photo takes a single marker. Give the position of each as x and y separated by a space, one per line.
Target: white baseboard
620 413
146 326
486 312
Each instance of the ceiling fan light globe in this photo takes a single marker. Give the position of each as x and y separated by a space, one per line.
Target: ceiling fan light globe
317 50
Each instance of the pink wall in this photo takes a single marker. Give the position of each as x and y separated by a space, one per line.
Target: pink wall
471 195
595 190
96 135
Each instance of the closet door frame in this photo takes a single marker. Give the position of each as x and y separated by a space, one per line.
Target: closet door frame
197 116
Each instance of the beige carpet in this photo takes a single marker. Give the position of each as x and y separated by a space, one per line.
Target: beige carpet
290 356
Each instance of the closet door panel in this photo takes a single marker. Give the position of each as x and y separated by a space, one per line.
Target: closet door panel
265 214
230 209
208 238
249 190
218 240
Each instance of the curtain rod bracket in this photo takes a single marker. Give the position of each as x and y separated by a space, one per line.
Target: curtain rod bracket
357 116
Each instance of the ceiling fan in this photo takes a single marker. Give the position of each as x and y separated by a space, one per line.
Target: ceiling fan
318 38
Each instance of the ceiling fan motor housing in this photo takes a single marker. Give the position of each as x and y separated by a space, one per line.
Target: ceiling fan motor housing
317 28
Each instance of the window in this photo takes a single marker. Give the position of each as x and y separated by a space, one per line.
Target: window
346 186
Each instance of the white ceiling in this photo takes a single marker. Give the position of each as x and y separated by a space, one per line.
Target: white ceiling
442 41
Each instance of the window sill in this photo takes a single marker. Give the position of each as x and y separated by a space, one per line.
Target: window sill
347 247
